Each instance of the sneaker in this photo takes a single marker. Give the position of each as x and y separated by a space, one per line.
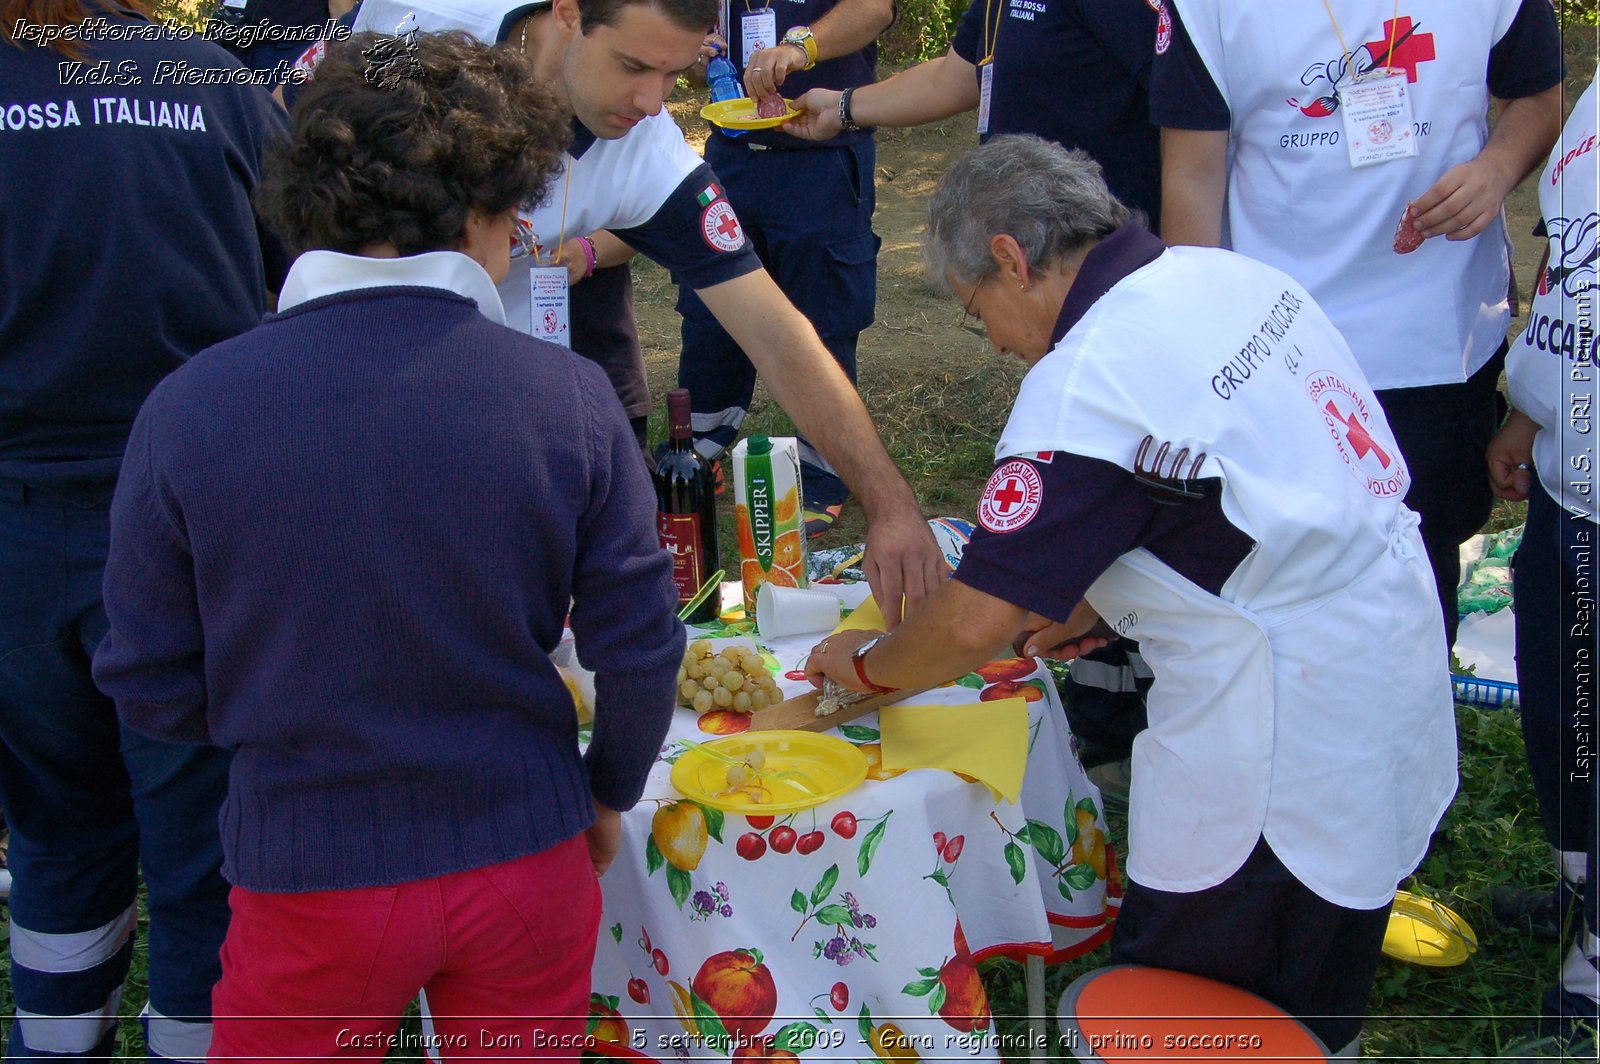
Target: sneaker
819 520
1532 912
716 475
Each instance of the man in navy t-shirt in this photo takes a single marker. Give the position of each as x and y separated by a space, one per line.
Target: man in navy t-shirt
1076 72
127 244
806 206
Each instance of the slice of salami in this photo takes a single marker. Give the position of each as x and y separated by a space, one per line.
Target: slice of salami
1406 237
773 106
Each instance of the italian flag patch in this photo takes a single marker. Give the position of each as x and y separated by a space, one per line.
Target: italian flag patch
709 195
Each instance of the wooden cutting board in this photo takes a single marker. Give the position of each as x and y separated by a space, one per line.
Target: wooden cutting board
800 712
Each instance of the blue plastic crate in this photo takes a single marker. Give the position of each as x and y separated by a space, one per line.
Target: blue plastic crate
1490 694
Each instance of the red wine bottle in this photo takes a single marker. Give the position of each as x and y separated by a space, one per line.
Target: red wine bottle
686 512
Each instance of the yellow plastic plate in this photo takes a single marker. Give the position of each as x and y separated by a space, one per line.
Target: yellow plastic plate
1422 931
801 769
741 114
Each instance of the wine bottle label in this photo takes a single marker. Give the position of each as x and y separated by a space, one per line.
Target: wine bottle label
680 536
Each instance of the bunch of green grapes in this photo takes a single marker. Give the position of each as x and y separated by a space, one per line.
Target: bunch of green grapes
735 679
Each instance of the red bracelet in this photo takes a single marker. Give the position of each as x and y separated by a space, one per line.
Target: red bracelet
859 659
588 255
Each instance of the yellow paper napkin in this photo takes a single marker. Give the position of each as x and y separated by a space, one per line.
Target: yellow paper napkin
865 617
988 740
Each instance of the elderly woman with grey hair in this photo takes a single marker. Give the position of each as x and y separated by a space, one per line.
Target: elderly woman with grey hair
1195 456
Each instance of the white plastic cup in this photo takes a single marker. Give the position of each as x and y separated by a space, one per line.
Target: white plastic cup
783 611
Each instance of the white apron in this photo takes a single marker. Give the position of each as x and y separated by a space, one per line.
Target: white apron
1310 702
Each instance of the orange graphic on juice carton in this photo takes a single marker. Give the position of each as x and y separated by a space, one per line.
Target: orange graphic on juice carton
766 492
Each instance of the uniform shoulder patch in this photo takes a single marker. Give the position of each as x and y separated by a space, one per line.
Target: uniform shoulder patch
307 63
1012 497
720 226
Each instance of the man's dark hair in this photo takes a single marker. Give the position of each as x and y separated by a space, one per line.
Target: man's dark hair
697 15
400 154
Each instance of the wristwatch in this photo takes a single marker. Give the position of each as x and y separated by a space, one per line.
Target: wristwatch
801 38
859 660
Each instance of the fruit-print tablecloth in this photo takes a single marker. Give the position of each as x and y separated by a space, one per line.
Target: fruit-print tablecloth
849 931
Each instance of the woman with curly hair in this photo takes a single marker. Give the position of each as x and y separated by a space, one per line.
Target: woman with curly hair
344 544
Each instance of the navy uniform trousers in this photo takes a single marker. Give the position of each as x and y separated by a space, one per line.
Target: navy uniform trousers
808 212
1558 650
85 800
1443 430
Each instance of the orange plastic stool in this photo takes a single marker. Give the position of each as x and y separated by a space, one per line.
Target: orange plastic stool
1132 1013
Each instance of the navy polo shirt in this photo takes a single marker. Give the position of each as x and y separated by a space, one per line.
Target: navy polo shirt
127 240
1076 72
1091 511
841 72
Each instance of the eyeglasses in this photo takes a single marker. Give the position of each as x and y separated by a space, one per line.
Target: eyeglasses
977 328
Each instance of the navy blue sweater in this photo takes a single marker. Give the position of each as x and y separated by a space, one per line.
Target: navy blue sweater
343 545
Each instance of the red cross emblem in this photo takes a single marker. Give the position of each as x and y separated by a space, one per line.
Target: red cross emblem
1410 47
720 226
1361 440
1011 497
1347 413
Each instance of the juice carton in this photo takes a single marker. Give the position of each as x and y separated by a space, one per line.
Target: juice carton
766 496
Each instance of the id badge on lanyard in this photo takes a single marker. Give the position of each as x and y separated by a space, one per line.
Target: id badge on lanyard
547 288
985 94
1378 126
757 30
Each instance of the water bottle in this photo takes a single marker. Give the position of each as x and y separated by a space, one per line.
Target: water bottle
724 82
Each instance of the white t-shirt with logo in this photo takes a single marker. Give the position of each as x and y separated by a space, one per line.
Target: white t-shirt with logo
1271 72
1551 367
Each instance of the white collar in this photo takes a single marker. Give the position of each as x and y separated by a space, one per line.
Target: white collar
324 273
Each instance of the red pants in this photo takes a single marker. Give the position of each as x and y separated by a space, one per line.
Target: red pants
504 953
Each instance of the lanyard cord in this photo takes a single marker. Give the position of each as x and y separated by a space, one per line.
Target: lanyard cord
991 39
565 188
1388 57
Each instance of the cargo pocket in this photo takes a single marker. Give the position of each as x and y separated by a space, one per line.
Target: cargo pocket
848 283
